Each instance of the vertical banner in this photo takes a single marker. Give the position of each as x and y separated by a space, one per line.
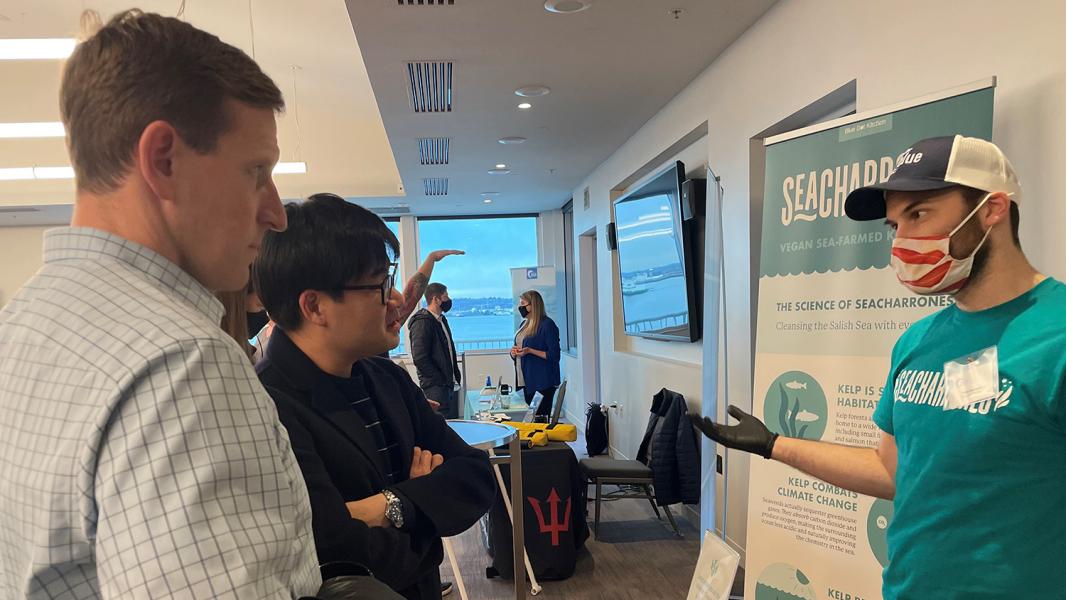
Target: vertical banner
829 311
543 280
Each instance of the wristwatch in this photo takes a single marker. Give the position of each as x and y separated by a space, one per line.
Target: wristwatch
393 509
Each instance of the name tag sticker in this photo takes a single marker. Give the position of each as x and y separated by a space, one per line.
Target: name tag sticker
971 379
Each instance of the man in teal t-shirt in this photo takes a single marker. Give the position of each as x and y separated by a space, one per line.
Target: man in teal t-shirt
973 417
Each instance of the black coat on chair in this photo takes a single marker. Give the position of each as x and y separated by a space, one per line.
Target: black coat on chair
671 449
340 463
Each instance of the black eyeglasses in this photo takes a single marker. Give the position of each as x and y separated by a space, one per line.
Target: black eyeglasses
385 286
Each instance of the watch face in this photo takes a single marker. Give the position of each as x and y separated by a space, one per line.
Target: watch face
393 509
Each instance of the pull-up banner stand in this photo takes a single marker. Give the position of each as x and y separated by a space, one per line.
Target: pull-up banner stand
829 311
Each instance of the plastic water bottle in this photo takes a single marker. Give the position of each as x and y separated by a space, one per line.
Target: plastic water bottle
488 381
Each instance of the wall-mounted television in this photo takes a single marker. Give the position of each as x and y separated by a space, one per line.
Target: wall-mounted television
656 249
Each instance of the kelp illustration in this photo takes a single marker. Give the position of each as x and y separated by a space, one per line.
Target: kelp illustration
787 417
781 581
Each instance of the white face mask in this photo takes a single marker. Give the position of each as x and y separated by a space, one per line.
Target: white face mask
925 265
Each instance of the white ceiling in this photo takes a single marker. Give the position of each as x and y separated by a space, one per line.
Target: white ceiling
340 134
610 68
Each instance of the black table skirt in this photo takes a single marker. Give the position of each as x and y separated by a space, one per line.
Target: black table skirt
556 529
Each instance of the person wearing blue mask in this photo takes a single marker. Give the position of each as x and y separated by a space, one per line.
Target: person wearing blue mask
973 416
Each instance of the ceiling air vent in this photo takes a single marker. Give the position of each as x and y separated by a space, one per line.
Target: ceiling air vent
430 85
425 2
435 186
434 151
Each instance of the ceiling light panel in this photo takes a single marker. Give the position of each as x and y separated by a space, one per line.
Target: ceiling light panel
429 85
53 129
435 186
290 168
434 151
67 172
37 49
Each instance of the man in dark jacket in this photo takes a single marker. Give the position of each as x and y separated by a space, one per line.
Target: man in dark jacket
386 476
433 351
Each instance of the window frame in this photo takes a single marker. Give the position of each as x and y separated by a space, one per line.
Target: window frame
570 283
418 237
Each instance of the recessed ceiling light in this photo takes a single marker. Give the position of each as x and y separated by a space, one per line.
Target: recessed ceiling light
32 130
512 140
290 168
533 91
501 166
525 106
499 171
37 49
488 200
566 6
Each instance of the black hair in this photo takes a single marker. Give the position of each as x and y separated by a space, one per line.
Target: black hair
329 243
434 291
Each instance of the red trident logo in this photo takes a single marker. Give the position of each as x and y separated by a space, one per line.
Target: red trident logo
553 527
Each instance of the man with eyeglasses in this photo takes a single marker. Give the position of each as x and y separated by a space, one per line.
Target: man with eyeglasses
386 475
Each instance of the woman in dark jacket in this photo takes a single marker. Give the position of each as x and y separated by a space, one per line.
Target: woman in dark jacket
536 352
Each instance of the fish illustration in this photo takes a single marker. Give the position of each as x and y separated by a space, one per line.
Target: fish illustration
806 416
795 385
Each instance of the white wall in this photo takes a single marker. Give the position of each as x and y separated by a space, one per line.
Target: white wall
797 53
21 252
633 369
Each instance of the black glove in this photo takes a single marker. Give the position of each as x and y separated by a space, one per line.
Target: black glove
749 435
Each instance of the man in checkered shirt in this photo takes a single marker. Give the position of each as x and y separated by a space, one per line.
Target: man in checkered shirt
139 455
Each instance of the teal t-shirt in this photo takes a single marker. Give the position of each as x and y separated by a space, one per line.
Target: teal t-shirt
980 506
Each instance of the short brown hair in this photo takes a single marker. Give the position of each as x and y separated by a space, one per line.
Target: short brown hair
143 67
434 291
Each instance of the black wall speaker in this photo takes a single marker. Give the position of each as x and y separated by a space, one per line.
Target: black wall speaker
693 198
612 237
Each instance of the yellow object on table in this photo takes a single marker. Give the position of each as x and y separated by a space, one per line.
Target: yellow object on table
539 434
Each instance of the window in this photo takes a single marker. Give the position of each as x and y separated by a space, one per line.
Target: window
483 301
394 226
571 289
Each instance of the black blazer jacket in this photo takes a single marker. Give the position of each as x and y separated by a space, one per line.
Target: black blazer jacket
340 463
672 450
430 351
